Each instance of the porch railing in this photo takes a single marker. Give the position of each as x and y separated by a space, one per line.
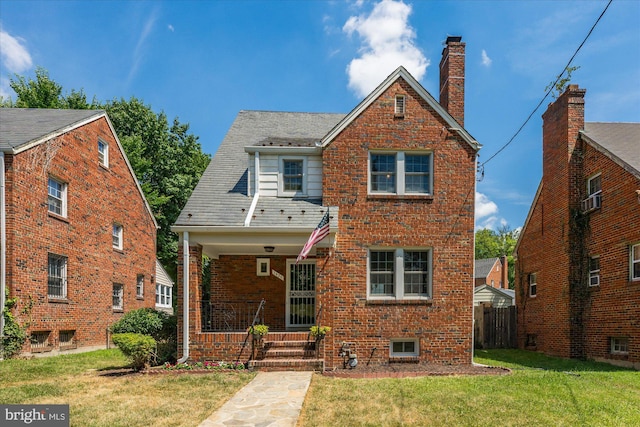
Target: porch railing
229 316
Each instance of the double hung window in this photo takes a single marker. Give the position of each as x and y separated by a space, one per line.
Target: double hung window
57 276
399 273
400 173
57 197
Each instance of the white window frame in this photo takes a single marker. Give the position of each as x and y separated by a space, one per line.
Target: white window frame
58 199
620 345
400 106
403 342
118 292
140 286
117 233
533 285
400 173
399 274
164 297
263 267
594 273
634 262
103 154
288 193
590 191
61 275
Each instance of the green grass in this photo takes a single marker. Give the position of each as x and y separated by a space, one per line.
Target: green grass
100 392
541 391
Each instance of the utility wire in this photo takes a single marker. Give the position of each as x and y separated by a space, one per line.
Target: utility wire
551 87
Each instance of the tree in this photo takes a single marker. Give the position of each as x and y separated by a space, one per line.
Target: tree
166 159
490 244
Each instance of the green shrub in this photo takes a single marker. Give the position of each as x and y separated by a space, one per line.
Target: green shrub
14 334
137 347
157 324
145 321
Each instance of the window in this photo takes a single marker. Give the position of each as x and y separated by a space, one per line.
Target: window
533 284
117 236
619 345
635 262
263 267
67 339
400 173
40 341
163 295
594 191
594 271
103 153
57 197
57 280
400 106
400 348
140 286
292 180
118 296
399 273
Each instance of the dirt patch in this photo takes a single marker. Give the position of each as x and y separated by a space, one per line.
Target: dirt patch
404 370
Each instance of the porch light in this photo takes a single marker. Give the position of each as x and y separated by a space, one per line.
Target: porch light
269 248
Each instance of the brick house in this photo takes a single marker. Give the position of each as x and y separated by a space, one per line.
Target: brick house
78 236
578 255
394 276
492 272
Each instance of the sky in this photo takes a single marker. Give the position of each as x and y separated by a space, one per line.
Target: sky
204 61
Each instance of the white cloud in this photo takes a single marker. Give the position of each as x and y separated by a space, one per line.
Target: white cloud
15 56
487 213
388 41
486 61
170 27
139 51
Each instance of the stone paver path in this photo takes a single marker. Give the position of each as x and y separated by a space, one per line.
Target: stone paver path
270 399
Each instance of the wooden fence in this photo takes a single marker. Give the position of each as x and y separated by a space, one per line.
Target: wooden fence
495 327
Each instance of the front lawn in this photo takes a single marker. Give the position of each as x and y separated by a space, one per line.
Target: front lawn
101 393
541 391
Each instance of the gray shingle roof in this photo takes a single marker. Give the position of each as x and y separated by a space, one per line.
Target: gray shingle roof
220 198
483 267
620 141
21 126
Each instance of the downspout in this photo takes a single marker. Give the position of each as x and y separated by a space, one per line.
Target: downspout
185 297
256 189
3 253
473 274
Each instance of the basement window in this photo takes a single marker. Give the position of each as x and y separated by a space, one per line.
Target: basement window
40 341
67 339
619 345
403 348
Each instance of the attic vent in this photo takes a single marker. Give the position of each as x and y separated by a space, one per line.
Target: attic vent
399 112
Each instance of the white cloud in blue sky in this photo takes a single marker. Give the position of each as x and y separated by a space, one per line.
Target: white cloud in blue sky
15 58
388 41
140 49
486 61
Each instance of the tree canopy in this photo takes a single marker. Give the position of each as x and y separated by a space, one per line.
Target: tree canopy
491 244
166 158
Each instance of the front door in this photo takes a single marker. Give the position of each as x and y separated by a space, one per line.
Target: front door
301 294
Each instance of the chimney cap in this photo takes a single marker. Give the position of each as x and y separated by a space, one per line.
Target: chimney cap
454 39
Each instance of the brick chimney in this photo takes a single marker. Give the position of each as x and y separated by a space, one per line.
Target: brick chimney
504 262
452 78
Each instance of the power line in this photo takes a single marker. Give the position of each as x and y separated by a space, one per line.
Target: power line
551 87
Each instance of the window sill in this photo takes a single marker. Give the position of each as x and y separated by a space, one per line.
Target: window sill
423 301
58 300
139 298
42 350
58 217
118 250
103 167
419 197
404 359
118 310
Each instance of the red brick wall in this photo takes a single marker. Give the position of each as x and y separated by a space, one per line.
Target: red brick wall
569 318
443 222
96 198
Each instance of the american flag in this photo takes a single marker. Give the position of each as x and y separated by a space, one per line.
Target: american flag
321 231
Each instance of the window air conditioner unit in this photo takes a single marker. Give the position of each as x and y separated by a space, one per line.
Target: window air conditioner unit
592 202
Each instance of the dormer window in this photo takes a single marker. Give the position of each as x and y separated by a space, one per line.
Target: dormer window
292 177
400 106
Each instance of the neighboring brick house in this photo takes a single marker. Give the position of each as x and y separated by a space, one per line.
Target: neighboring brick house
78 236
578 255
492 272
394 277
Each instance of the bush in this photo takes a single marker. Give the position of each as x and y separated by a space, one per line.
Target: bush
137 347
14 334
157 324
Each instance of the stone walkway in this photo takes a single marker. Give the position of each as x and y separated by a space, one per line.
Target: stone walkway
270 399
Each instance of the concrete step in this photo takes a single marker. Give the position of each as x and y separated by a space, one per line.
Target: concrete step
287 353
289 344
287 365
